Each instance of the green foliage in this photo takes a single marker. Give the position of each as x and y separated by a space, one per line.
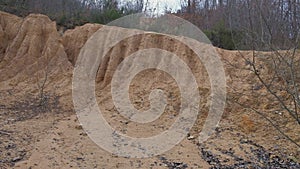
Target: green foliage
223 37
104 17
62 20
111 14
70 13
17 7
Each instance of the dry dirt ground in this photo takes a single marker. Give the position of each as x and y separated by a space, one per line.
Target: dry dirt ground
44 132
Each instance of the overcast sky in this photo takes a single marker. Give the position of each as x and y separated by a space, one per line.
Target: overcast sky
161 5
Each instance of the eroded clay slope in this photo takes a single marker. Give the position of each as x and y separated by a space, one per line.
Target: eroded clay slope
32 49
74 39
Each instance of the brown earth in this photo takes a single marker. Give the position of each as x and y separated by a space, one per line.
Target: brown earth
42 131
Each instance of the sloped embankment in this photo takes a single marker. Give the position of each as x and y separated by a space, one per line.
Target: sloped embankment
29 46
34 55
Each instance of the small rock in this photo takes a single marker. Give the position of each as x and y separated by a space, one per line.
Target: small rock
10 146
191 138
83 134
79 158
78 127
243 141
16 159
162 158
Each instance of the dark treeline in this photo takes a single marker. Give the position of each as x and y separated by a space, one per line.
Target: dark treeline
246 24
229 24
70 13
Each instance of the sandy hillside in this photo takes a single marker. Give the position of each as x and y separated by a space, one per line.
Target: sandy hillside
39 127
